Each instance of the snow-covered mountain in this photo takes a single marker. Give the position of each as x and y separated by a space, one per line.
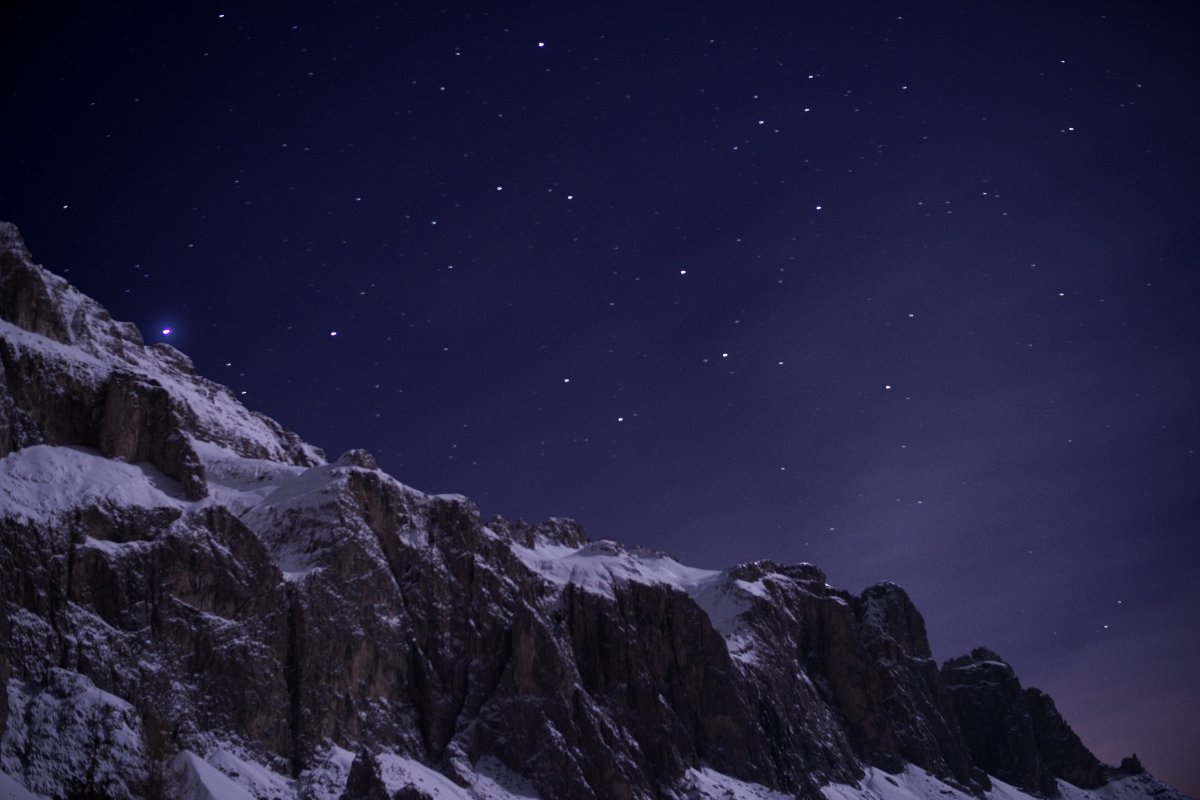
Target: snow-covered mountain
196 604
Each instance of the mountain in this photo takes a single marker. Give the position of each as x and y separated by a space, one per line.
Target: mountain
197 604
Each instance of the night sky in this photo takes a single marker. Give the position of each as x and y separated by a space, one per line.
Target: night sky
904 290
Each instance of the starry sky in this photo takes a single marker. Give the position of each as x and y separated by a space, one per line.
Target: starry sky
904 290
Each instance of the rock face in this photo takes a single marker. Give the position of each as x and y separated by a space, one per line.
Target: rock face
1016 735
1060 748
995 721
186 582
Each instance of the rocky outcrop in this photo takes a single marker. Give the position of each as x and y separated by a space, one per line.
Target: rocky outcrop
995 720
71 375
1017 734
1061 750
140 423
25 298
364 782
180 576
917 708
867 663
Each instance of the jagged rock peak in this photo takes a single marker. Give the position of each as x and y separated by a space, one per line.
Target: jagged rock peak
41 302
555 531
12 242
71 375
1131 765
888 608
1016 734
357 458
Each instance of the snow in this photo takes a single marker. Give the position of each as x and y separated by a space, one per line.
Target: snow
113 549
77 361
238 482
254 778
41 483
398 772
707 784
917 784
11 789
598 567
327 778
756 588
494 782
912 784
197 780
1134 787
52 730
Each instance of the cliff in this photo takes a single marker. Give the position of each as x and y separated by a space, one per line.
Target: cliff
195 603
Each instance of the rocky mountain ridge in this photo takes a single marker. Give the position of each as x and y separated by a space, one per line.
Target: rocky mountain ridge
196 603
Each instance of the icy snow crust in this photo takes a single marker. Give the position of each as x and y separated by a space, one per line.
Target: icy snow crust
40 483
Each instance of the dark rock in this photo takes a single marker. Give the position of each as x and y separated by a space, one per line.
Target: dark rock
141 423
364 782
357 458
1059 747
411 793
995 722
25 298
4 661
917 708
49 405
1131 765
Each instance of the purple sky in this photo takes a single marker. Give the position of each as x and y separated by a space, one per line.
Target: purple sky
908 292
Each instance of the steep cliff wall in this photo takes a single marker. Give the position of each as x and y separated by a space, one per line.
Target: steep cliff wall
188 587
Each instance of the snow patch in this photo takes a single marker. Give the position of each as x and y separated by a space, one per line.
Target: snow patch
12 789
911 784
598 567
256 779
237 482
39 484
708 784
915 783
195 779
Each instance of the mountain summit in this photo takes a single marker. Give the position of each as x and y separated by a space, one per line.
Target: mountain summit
196 604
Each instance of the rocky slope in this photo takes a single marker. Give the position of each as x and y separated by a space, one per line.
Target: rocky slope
195 603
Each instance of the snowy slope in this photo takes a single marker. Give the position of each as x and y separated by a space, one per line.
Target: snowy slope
223 776
12 789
